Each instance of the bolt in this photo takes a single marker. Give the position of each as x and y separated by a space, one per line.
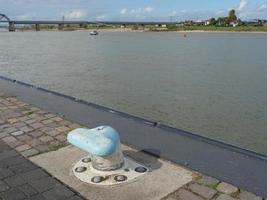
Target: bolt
80 169
126 170
140 169
97 179
120 178
86 160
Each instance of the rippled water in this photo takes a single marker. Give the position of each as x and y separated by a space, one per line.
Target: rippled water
212 84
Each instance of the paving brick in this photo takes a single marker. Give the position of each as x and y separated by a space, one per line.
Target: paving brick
14 181
44 184
28 190
19 125
52 133
9 139
34 174
3 134
23 167
183 194
58 193
227 188
37 125
24 138
26 129
10 161
225 197
12 121
207 180
74 126
203 191
65 123
42 148
3 186
4 173
24 118
56 119
61 138
23 148
50 115
17 133
8 154
36 133
30 152
47 121
13 194
10 130
30 121
15 144
244 195
46 139
34 142
37 197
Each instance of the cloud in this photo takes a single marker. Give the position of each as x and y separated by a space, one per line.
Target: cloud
242 5
101 17
173 13
262 8
148 9
123 11
138 12
74 14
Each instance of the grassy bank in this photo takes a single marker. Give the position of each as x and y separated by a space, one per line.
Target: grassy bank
217 28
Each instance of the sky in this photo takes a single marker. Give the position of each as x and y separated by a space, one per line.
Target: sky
131 10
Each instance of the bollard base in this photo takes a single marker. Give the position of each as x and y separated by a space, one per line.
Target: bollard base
162 179
130 171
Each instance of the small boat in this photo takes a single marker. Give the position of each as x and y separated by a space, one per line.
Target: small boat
94 33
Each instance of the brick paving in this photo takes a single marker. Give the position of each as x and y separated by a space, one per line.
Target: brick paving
29 131
22 180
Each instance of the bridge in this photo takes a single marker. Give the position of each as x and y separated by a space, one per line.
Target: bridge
37 23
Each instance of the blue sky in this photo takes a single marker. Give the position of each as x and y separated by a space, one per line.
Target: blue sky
134 10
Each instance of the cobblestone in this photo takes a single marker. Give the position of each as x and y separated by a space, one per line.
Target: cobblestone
227 188
203 191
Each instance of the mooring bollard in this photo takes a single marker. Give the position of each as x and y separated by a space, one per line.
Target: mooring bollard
102 143
105 164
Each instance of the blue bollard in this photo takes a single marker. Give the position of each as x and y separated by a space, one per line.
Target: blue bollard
103 145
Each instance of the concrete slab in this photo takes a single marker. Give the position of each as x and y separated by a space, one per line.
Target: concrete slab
163 178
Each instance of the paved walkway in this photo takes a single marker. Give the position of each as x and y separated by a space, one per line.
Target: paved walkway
31 131
20 179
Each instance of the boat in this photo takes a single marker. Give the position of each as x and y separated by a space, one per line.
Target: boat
94 33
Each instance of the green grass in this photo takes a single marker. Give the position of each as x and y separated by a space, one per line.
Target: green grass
220 28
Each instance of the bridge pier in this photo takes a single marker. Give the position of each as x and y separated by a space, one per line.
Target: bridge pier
37 27
11 27
60 27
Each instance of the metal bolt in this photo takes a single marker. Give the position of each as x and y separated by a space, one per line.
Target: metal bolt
140 169
86 160
97 179
120 178
80 169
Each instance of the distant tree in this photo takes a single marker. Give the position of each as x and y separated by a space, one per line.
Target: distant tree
232 15
212 21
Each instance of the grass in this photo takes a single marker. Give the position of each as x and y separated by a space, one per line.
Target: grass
55 147
220 28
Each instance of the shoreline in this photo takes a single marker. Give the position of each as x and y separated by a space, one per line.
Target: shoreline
129 30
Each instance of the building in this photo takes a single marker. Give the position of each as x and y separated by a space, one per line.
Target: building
188 22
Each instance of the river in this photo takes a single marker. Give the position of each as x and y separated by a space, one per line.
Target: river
211 84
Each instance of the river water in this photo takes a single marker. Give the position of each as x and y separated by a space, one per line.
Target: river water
212 84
